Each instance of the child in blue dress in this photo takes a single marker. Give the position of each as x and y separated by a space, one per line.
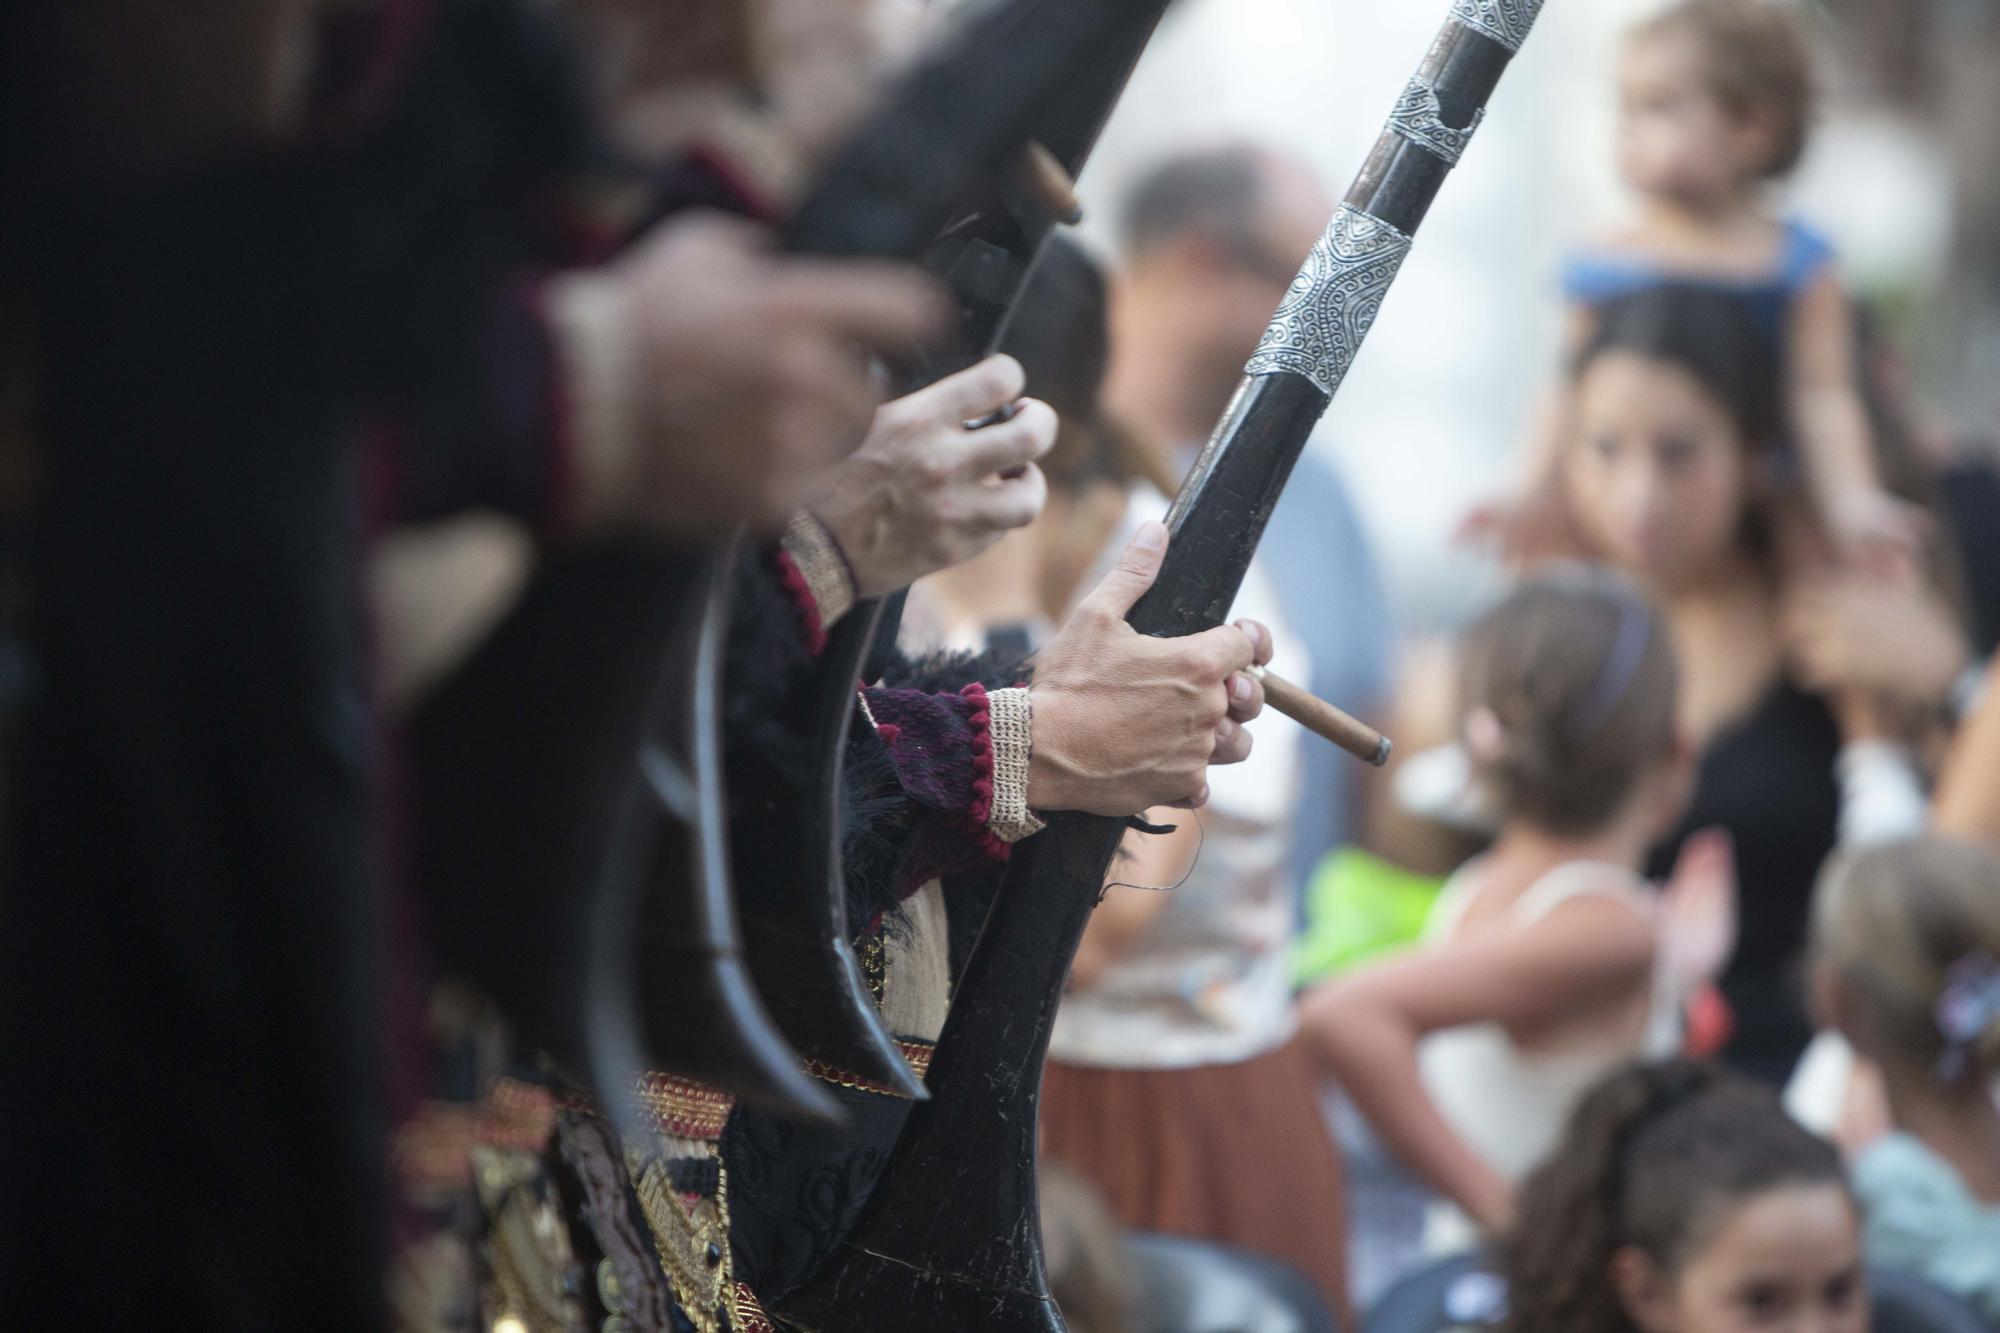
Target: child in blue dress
1715 103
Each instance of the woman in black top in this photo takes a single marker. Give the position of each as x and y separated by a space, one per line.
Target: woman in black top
1670 473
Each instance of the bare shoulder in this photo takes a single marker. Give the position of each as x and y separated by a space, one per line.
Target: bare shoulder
1608 908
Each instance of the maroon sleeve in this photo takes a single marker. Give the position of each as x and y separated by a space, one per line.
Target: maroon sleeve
942 747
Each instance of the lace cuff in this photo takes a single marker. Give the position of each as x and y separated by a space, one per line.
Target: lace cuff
1011 727
817 576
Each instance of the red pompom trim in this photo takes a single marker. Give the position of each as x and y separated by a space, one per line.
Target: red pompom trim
803 603
981 810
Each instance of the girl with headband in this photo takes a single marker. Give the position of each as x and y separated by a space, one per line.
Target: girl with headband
1544 966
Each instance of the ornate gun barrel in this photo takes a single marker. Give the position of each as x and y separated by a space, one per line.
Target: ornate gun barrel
951 1238
1025 92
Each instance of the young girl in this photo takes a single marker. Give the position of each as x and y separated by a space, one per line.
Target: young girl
1683 1200
1715 101
1906 963
1544 965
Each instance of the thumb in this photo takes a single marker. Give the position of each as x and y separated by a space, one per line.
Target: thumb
1138 565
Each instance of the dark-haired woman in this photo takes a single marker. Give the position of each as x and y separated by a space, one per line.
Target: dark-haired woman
1669 476
1545 964
1683 1200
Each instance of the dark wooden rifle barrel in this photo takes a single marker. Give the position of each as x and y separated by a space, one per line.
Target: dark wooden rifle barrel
1047 71
951 1237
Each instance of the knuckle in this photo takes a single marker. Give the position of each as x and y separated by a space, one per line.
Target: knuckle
1002 377
1040 424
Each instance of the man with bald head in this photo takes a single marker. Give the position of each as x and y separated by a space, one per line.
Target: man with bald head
1211 239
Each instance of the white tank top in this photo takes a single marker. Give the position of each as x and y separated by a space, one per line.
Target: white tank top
1510 1104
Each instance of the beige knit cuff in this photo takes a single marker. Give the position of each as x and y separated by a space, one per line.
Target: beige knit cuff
587 316
1010 723
823 567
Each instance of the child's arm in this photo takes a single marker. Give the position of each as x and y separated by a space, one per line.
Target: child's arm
1831 426
1366 1026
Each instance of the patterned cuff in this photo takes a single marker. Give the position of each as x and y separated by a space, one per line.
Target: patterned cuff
1011 725
597 375
822 573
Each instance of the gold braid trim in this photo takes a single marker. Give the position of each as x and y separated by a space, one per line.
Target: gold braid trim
917 1053
681 1108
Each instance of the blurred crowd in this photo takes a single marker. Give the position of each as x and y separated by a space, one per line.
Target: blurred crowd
388 388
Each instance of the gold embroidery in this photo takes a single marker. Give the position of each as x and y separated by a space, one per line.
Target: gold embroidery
692 1240
873 955
527 1247
746 1314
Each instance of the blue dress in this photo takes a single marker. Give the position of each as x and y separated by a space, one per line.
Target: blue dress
1595 277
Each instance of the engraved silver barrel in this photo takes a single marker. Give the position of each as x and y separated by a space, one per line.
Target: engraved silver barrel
1325 316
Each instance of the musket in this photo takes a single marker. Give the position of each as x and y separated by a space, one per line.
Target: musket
573 813
951 1237
1012 107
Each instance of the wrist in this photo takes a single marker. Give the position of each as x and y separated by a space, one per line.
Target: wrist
853 512
1048 785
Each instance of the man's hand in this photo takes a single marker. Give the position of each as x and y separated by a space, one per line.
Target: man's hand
1123 721
923 492
711 378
